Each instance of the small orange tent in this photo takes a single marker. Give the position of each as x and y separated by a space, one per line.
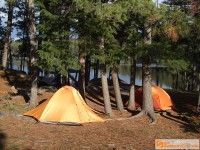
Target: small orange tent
66 106
161 100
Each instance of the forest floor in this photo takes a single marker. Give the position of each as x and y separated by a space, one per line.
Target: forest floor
18 132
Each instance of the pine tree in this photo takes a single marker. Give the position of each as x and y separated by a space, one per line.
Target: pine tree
57 53
144 21
102 20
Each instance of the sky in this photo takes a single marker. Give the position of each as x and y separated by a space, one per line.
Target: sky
2 4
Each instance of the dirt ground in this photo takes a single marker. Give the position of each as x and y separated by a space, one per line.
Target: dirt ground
18 132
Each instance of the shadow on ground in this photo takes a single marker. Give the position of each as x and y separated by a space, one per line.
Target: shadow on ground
2 140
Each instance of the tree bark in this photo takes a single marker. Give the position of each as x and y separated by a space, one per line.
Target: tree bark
131 103
11 60
34 72
176 81
96 69
87 70
157 73
7 38
106 95
81 82
147 105
104 82
118 97
198 104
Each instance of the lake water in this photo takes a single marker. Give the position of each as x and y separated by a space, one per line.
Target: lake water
160 75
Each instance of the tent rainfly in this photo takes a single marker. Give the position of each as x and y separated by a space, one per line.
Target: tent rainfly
65 107
161 100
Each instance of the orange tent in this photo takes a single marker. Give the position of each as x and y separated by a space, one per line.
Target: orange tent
66 106
161 100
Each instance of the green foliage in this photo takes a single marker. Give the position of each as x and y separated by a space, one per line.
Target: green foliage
178 66
101 20
69 28
57 52
57 57
15 45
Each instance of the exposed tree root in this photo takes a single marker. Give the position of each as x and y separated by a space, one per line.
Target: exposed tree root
135 116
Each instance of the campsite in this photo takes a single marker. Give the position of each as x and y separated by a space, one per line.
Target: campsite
22 132
99 74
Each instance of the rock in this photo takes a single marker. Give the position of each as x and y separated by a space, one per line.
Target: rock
13 90
3 114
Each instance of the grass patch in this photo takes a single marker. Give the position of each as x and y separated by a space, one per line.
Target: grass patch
12 146
13 108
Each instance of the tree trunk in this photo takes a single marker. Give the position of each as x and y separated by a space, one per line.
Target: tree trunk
198 105
87 70
118 97
106 95
11 60
198 82
34 72
195 79
28 51
131 103
34 88
157 73
81 82
7 38
176 81
147 105
104 82
96 69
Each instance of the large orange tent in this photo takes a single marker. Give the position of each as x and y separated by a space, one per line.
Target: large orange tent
65 106
161 100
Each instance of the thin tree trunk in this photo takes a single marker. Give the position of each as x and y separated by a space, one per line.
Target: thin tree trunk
81 82
11 60
34 72
198 82
24 61
28 51
118 97
7 38
195 81
131 103
157 73
28 44
198 105
104 82
176 81
96 69
87 70
21 61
